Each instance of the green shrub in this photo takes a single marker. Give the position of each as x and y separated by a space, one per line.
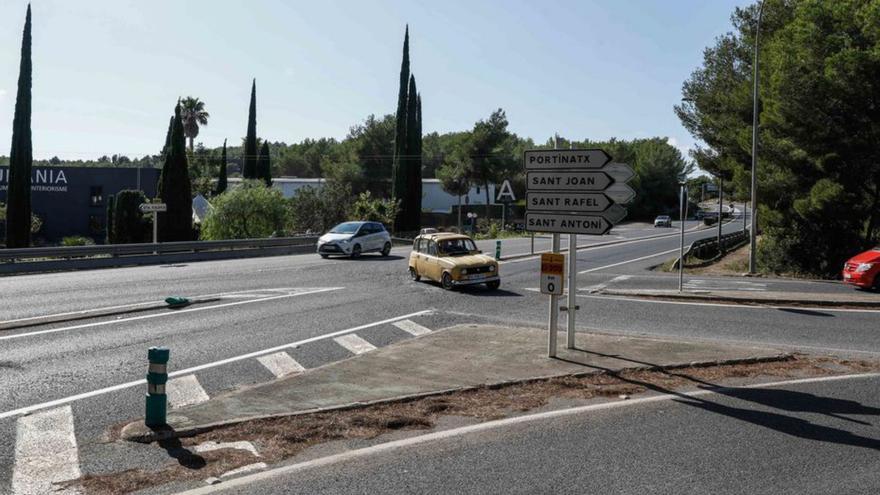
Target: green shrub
129 224
249 211
77 240
372 209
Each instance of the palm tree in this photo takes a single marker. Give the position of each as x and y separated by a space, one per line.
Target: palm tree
193 113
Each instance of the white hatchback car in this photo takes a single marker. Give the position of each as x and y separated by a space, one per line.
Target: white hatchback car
355 238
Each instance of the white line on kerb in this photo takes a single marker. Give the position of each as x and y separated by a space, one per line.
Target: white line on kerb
731 305
122 386
45 453
161 315
185 391
281 364
489 425
354 343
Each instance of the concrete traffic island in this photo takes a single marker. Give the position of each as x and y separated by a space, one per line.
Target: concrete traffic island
455 359
856 299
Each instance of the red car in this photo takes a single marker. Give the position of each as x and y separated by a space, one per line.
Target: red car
863 270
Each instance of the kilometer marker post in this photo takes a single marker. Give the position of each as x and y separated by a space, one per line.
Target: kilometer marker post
157 377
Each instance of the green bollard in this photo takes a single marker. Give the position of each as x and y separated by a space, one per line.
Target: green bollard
157 377
497 250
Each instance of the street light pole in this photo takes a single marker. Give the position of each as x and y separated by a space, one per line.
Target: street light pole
681 216
754 231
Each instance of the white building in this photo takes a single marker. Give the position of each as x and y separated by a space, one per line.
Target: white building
434 198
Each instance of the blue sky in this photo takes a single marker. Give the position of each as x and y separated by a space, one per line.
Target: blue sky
108 72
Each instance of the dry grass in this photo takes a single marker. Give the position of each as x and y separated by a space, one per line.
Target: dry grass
285 437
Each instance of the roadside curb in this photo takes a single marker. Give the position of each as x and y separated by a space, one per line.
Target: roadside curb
98 313
139 433
745 300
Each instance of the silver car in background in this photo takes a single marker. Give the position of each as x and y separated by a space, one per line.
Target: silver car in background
355 238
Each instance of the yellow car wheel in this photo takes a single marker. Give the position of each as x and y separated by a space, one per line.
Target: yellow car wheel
413 274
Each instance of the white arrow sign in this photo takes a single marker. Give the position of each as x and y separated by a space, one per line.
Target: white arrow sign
152 207
620 193
620 172
567 181
555 201
614 214
565 159
567 224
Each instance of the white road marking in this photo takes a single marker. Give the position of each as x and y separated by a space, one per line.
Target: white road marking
170 313
412 327
598 287
193 369
354 343
281 364
240 445
185 391
248 481
45 453
627 261
245 469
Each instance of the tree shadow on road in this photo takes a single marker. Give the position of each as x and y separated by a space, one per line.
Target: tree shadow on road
785 400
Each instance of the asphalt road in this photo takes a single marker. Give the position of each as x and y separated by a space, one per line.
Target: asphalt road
92 370
794 439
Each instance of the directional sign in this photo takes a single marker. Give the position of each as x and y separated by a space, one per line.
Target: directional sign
505 192
614 214
565 159
560 223
620 193
567 181
153 207
620 172
552 270
564 201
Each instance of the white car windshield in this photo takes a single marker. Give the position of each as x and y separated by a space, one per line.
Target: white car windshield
346 228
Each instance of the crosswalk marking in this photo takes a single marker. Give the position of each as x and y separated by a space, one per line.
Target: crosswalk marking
412 327
185 391
354 343
45 453
280 364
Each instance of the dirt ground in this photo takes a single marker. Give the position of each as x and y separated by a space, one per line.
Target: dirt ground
277 439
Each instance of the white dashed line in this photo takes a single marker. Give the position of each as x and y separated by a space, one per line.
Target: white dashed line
354 343
45 453
185 391
412 327
280 364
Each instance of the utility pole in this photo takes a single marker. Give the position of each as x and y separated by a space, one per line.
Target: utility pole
572 283
720 209
681 216
754 231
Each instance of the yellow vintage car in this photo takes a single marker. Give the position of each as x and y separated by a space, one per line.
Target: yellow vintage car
453 260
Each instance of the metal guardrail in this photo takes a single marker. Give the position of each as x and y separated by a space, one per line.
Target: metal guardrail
28 260
709 246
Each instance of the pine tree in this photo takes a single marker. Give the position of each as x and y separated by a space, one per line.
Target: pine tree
264 166
176 223
165 149
411 166
398 176
221 180
21 156
250 144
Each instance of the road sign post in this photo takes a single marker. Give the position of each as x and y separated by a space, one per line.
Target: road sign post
575 192
154 208
553 283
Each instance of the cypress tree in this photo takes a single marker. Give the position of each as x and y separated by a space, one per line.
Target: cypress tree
221 180
111 206
165 149
176 223
21 156
398 175
411 206
264 167
129 225
250 143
